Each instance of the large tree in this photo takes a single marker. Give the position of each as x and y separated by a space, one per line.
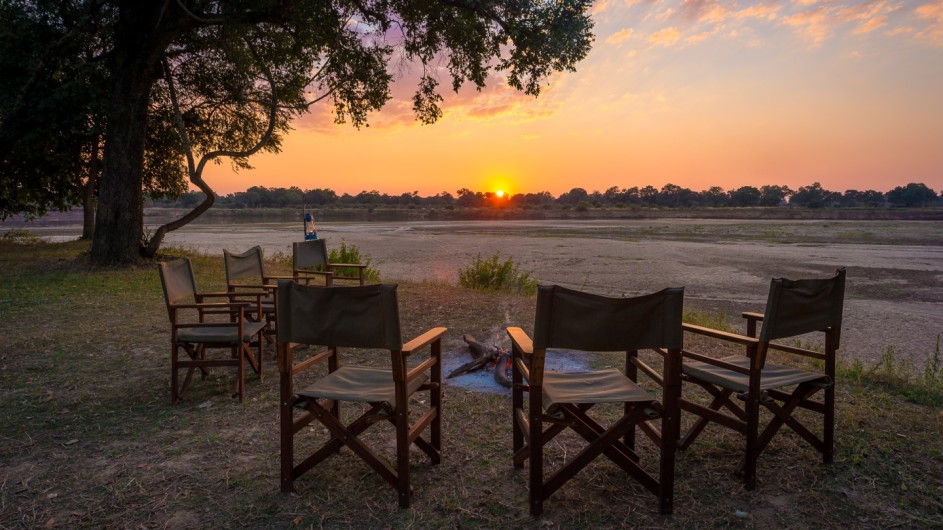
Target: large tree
230 75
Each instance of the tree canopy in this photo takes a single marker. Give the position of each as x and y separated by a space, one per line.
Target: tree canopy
225 79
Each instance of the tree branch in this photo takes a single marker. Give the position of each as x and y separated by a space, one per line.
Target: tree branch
195 171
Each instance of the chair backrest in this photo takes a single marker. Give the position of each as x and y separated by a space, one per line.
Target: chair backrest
795 307
176 277
243 266
583 321
357 317
308 254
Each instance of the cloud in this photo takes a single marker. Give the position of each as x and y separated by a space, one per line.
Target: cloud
761 11
709 11
619 36
932 12
665 37
814 25
600 7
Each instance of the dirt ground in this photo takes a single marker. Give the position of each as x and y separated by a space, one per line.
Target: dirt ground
895 268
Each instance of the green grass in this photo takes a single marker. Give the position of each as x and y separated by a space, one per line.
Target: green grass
496 275
90 440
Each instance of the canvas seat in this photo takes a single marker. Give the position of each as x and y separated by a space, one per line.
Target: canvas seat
196 334
329 318
793 308
568 319
310 259
245 272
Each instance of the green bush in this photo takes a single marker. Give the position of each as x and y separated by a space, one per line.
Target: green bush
351 254
20 237
494 275
902 378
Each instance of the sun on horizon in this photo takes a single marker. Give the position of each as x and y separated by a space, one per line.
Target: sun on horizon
499 193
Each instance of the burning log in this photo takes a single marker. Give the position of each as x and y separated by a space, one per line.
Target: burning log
485 357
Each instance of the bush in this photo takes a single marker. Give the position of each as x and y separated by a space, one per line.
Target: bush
900 377
20 237
351 254
494 275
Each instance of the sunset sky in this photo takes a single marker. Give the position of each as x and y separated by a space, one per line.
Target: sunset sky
694 92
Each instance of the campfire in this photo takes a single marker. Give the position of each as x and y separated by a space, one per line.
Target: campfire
494 358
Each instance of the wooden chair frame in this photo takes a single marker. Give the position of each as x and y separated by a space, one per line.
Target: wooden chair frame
228 337
617 442
744 417
247 279
303 273
297 411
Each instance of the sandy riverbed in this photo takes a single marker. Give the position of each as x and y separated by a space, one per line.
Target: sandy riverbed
895 268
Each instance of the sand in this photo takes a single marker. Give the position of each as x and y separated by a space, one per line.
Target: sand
895 268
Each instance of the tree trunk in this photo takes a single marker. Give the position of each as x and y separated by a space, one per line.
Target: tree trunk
143 33
88 198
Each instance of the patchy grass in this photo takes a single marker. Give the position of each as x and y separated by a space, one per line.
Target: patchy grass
89 438
495 275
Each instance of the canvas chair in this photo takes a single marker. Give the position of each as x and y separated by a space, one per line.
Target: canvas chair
195 335
586 322
793 308
245 272
359 317
310 259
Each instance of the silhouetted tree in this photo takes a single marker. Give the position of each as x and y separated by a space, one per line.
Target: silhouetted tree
745 196
911 195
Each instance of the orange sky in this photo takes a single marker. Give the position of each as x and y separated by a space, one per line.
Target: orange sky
694 92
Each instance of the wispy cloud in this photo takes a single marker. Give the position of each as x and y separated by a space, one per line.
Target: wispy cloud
620 36
815 25
665 37
932 12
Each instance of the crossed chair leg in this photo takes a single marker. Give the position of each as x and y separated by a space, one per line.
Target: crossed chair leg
622 452
745 420
328 414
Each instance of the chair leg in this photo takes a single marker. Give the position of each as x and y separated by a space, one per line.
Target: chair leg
517 407
174 397
753 417
241 376
536 457
721 396
828 427
286 418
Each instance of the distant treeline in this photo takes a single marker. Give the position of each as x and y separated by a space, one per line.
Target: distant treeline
669 196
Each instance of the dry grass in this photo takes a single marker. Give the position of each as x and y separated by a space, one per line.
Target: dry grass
89 438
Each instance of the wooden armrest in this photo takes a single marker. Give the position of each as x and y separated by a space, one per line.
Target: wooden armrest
687 354
264 278
266 286
752 316
211 305
797 351
521 340
722 335
423 340
216 294
305 271
257 294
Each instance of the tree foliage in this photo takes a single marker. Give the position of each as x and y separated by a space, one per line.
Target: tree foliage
671 196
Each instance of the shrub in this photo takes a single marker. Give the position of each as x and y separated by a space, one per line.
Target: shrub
351 254
20 237
900 377
494 275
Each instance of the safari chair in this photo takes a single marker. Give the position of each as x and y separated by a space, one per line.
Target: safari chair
793 308
310 258
329 318
195 335
245 271
586 322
